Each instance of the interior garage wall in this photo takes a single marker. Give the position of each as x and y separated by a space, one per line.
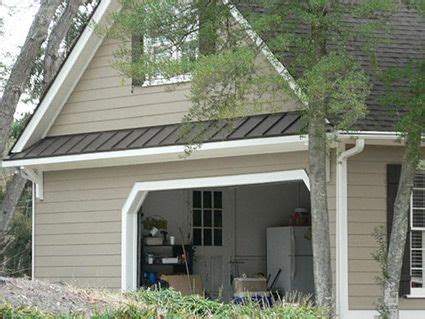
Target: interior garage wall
254 207
258 208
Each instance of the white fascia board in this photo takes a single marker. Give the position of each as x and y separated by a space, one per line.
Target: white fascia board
374 137
167 153
67 78
265 50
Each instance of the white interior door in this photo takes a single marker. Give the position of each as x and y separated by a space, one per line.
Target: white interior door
213 238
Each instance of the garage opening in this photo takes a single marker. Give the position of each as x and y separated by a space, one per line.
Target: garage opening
227 241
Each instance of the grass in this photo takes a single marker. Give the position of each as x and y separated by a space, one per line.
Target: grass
170 304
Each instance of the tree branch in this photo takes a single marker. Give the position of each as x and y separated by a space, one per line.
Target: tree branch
53 57
21 71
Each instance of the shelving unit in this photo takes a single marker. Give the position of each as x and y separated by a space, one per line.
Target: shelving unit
166 251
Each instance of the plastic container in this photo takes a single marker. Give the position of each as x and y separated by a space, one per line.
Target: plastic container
151 277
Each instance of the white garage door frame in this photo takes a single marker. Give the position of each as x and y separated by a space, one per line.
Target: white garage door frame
141 189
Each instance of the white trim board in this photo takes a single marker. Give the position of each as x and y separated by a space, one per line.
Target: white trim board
160 154
67 78
141 189
372 314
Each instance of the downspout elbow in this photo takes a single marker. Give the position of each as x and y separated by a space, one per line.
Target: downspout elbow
358 148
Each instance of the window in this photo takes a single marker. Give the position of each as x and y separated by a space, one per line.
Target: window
162 49
207 220
417 235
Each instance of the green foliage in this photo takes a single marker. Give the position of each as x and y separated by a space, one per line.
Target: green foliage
170 304
380 256
18 125
406 97
338 82
227 81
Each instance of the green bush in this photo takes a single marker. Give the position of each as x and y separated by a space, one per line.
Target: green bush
170 304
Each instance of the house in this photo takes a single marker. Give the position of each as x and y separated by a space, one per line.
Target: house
101 153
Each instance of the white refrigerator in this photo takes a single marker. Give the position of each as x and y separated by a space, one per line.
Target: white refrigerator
290 249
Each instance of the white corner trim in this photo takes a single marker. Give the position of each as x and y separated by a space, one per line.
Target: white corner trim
36 177
173 153
341 295
67 78
265 50
141 189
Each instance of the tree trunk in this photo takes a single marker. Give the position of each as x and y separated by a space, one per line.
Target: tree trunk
21 70
399 229
53 57
51 64
15 186
19 76
319 213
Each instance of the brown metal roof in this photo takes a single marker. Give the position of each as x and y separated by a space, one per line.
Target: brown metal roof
255 126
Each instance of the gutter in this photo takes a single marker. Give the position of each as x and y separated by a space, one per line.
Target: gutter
342 226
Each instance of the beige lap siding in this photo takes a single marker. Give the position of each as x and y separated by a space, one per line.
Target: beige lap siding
104 99
367 189
78 224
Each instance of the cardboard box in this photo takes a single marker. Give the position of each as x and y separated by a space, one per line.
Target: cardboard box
181 283
249 285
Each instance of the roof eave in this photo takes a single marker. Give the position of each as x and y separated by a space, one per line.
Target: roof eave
255 146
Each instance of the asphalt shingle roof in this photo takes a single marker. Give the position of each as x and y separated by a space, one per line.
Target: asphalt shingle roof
402 42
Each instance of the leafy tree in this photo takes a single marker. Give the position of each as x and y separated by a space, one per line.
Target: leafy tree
54 29
407 96
315 39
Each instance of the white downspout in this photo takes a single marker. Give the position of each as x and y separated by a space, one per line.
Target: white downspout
33 232
342 226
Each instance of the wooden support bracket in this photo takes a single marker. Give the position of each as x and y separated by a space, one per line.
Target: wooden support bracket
36 176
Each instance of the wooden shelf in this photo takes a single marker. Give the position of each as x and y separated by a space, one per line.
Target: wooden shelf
162 245
146 264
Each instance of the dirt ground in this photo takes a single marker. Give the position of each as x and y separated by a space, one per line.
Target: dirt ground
56 298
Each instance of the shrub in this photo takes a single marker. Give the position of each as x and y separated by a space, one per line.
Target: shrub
171 304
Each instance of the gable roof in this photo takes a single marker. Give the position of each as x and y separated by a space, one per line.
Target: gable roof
78 60
89 42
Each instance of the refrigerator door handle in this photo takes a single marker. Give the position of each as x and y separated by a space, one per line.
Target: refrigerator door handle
293 264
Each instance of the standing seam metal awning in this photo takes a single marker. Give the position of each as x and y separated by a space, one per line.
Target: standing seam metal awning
255 126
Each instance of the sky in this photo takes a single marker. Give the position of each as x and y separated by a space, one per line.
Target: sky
17 16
